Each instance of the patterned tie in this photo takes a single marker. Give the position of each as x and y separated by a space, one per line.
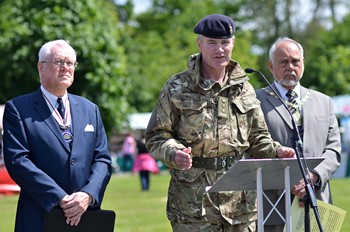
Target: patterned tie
61 109
292 99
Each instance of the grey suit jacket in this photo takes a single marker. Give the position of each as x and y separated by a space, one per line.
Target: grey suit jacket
321 134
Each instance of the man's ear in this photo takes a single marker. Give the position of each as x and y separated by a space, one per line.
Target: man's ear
39 66
198 44
270 64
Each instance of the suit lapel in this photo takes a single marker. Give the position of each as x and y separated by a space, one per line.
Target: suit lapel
76 118
307 110
42 109
280 109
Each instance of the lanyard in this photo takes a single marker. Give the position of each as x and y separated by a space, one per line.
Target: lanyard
61 121
66 129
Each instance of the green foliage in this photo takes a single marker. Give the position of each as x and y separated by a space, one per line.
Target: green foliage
91 28
327 60
124 62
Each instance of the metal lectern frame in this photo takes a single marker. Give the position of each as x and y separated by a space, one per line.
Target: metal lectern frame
265 174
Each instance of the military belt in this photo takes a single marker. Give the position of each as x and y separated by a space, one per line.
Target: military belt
216 163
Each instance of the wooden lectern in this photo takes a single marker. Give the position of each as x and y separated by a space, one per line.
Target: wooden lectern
265 174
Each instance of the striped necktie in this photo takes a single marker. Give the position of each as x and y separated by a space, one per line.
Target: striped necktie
292 99
61 109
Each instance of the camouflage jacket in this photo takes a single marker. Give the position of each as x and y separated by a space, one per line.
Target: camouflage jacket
215 120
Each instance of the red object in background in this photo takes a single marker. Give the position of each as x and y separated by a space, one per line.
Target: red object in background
145 162
7 185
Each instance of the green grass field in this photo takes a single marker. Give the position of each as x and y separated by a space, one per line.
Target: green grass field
145 211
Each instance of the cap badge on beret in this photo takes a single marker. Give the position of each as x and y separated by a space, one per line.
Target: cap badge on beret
216 26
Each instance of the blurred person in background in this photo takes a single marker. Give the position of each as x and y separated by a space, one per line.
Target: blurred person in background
128 153
144 164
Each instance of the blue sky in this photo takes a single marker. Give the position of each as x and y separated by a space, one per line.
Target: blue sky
302 14
140 5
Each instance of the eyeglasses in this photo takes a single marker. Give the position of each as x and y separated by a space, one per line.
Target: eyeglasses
61 63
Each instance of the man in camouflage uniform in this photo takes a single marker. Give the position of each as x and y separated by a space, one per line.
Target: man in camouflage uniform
206 118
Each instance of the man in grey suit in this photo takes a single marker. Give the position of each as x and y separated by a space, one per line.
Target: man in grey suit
55 145
314 115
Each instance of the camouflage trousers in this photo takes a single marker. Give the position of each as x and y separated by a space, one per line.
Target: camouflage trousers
213 227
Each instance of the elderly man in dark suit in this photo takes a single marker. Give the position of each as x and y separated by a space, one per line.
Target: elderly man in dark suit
313 113
55 145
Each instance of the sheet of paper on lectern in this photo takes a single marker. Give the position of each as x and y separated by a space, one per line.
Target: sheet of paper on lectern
331 217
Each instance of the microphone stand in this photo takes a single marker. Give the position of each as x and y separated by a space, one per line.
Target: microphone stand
309 199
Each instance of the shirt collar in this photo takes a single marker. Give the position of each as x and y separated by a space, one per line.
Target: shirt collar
283 90
52 98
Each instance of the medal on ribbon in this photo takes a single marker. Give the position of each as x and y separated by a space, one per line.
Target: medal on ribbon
67 135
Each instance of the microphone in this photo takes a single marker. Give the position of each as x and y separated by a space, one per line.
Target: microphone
297 137
250 70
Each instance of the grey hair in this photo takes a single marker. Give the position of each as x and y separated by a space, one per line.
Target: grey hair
45 50
280 40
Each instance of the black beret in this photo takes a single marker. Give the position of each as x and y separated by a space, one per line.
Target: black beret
215 26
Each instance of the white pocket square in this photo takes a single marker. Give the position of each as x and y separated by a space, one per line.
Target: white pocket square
89 128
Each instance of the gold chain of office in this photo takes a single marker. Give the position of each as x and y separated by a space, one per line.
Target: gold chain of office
296 105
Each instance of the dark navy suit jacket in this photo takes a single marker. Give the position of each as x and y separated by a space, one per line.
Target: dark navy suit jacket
44 165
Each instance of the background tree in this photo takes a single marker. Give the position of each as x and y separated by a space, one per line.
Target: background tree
300 20
125 58
162 37
91 28
163 40
328 58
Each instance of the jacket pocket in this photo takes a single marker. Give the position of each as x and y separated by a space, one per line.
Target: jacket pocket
243 111
192 111
186 195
